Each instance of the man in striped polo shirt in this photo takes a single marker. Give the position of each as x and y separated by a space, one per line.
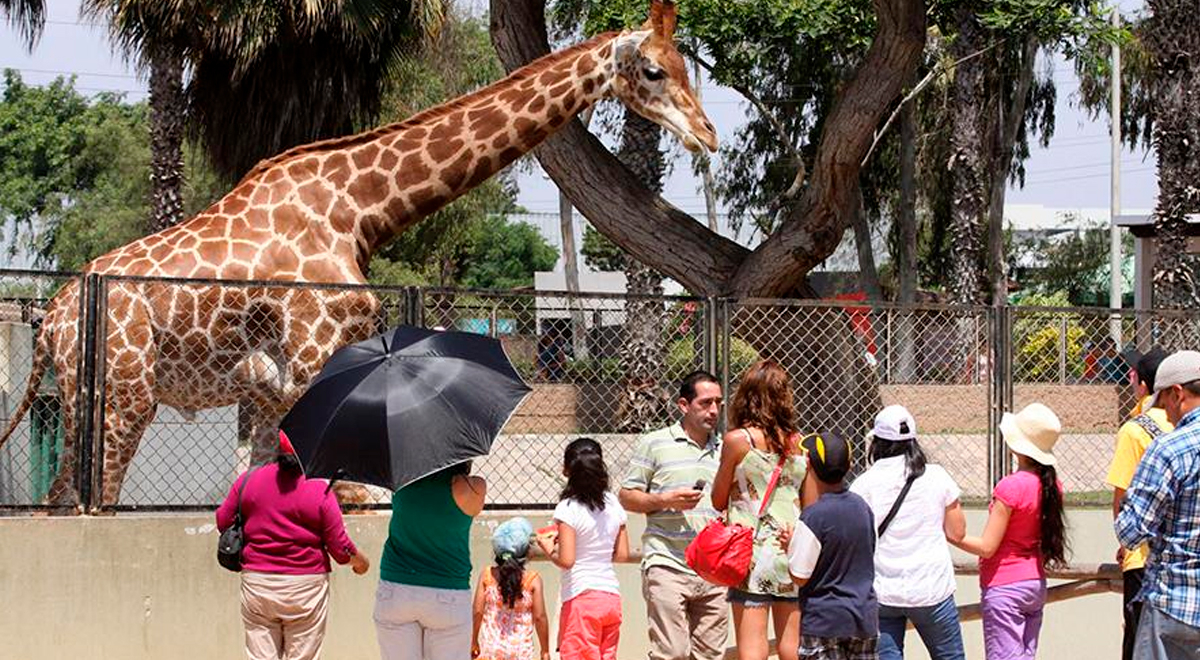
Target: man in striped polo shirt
669 480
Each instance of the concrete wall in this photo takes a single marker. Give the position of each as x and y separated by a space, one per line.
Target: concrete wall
135 587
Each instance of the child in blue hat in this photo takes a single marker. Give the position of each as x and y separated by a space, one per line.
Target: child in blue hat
509 604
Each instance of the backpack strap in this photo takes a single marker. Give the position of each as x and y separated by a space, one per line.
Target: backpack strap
887 520
1149 425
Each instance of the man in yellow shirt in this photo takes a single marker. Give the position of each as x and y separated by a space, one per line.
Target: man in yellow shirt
1133 438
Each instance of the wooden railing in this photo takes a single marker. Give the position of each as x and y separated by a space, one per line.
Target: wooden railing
1083 580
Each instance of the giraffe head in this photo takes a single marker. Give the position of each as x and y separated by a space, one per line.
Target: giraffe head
651 78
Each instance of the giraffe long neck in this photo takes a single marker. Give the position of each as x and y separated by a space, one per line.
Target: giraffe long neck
414 168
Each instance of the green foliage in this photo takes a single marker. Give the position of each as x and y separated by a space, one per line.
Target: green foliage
1075 265
75 174
599 253
507 255
681 357
1040 340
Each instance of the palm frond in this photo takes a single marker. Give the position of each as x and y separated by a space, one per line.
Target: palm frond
28 17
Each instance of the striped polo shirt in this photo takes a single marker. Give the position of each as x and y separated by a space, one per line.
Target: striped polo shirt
665 460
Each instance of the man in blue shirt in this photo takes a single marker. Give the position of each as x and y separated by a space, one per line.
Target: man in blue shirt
1162 507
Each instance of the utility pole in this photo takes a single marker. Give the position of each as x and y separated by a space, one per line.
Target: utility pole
1114 232
566 221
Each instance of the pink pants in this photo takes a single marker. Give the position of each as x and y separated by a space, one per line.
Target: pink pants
590 626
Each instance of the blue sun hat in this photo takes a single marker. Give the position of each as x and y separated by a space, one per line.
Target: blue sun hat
511 539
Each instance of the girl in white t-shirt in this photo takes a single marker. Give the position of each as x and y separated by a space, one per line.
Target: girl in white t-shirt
914 576
590 537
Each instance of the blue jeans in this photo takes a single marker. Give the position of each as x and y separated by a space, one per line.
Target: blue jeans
936 624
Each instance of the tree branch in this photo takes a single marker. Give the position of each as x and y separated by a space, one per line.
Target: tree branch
815 225
605 192
933 74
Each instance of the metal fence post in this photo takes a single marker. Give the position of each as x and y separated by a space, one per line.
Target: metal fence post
711 328
1062 351
1000 318
724 358
87 411
414 306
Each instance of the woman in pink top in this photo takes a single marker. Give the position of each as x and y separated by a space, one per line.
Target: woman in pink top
1025 531
292 526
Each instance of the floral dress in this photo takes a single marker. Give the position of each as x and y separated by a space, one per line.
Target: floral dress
507 633
769 565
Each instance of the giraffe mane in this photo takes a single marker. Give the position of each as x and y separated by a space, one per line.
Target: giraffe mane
520 75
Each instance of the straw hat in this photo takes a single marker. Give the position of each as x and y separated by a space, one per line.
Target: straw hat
1032 432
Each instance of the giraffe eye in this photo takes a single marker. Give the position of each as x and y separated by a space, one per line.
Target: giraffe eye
653 73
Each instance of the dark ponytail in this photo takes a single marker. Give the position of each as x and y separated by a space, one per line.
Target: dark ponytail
510 572
587 477
289 464
1054 523
914 458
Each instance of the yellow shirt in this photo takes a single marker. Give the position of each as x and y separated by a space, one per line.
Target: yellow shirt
1132 441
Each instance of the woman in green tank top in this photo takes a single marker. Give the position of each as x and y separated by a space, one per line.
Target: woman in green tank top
423 605
763 437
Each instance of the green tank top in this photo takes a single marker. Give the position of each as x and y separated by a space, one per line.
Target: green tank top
429 538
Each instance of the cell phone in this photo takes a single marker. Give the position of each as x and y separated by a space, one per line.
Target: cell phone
699 485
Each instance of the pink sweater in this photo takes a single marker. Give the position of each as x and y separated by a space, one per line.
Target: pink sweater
292 525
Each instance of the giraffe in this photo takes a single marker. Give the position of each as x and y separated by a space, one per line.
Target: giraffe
315 214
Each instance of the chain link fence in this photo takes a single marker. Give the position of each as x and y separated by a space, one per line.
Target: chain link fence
173 383
35 452
1076 362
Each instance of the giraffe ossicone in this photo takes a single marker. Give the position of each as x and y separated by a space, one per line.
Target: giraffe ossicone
316 214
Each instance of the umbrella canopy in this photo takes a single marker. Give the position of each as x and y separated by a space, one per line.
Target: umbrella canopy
403 405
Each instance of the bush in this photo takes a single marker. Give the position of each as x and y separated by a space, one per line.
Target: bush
1039 337
681 358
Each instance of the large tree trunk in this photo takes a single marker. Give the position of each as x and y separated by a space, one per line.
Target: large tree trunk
670 240
1007 125
967 159
835 385
168 109
643 351
1173 40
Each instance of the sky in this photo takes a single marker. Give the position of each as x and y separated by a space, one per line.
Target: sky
1072 172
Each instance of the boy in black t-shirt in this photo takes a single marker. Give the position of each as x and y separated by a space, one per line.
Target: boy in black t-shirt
831 557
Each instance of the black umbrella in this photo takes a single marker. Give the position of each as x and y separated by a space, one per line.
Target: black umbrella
400 406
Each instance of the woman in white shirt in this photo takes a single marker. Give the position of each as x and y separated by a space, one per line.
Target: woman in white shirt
914 576
590 537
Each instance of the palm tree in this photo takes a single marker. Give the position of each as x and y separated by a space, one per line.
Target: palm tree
27 16
1172 38
642 352
265 76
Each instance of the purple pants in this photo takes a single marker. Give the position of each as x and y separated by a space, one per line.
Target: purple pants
1012 619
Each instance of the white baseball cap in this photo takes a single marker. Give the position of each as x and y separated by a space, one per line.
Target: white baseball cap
894 423
1178 368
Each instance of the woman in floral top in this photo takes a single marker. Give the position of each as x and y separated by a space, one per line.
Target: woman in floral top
762 437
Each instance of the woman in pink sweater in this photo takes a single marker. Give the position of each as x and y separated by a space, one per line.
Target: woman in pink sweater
292 527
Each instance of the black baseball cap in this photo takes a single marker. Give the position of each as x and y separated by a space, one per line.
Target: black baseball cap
829 456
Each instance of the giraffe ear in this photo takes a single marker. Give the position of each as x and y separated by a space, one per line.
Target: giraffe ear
669 19
655 21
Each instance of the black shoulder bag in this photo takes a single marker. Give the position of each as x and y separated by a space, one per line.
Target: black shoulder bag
232 540
896 507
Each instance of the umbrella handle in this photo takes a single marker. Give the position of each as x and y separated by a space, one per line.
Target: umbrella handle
338 474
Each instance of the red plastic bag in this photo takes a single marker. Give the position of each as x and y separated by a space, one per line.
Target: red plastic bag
721 553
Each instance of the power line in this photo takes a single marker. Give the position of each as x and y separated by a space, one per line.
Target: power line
1085 176
60 72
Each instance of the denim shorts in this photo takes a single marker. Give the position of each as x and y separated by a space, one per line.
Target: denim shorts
749 599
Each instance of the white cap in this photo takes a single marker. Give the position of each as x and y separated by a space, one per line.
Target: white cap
894 423
1178 368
